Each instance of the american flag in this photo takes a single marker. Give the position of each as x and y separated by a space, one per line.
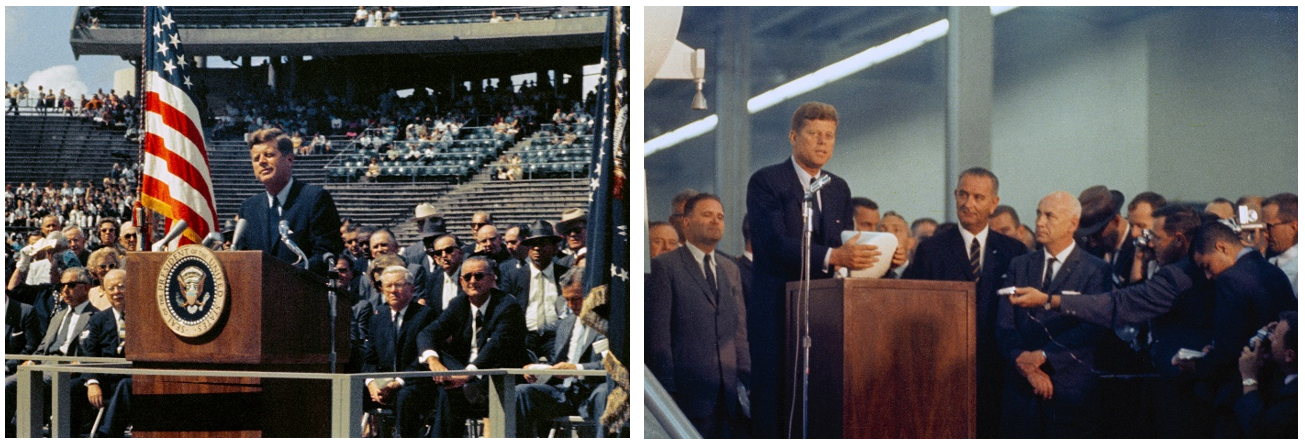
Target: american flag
607 263
175 178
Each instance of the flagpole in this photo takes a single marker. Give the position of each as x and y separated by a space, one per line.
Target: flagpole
144 229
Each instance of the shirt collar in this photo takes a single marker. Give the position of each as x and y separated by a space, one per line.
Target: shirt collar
969 237
282 195
547 271
1060 257
1289 254
747 254
82 307
802 174
697 254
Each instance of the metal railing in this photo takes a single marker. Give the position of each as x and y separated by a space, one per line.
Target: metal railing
347 391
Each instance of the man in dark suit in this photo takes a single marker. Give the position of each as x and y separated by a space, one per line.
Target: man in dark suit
1051 384
308 209
774 209
107 339
577 347
1249 293
696 336
391 346
21 329
481 330
1178 300
1273 415
972 251
381 244
536 287
489 243
512 244
65 330
572 229
745 260
440 286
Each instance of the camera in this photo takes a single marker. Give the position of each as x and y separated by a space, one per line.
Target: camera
1144 240
1248 218
1262 335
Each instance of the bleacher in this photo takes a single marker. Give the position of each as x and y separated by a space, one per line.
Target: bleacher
255 17
61 148
454 161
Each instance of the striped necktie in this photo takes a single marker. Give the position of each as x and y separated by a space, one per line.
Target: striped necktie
974 257
122 332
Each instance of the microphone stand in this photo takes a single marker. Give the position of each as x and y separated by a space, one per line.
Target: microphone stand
804 298
332 283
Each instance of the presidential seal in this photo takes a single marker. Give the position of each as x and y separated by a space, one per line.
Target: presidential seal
191 292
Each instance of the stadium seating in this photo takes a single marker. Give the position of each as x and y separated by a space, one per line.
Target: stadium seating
61 148
251 17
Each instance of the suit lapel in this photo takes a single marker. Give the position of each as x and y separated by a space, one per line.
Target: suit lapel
50 331
1066 269
961 254
690 267
563 338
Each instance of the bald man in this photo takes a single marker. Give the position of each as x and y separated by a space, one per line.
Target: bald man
1051 384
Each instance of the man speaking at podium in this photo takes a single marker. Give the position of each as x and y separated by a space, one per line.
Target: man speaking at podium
774 201
307 209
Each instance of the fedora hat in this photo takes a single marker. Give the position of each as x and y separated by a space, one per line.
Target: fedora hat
539 230
1100 205
571 217
424 211
433 227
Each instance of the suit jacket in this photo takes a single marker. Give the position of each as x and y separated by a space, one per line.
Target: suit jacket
696 342
1070 344
312 217
1270 416
102 342
579 388
774 205
383 352
945 257
430 287
415 254
21 331
503 345
745 275
48 343
42 299
1248 295
517 283
1121 265
508 266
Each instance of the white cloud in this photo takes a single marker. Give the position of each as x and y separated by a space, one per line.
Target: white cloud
56 78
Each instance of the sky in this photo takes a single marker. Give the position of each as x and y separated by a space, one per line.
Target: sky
37 52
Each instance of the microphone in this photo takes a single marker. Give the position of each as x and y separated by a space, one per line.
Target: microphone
177 229
284 228
819 183
239 232
213 241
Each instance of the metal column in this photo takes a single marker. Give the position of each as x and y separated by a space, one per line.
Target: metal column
969 95
731 76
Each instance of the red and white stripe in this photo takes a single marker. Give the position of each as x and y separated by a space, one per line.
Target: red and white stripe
176 180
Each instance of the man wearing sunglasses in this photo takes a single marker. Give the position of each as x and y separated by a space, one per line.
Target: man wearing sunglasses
572 229
64 331
442 286
482 329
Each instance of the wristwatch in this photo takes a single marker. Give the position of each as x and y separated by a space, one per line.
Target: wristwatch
1047 306
1250 382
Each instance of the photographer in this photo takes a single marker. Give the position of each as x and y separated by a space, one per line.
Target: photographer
1270 413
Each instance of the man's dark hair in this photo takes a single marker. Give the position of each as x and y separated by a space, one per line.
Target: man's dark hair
1179 219
1006 209
1210 234
682 197
981 172
921 221
1151 198
692 203
274 136
1289 341
1286 203
747 229
864 202
813 111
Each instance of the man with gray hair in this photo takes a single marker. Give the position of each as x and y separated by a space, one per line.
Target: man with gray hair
1051 382
391 346
77 243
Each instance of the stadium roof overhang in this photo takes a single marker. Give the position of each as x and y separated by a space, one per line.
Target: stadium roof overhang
471 38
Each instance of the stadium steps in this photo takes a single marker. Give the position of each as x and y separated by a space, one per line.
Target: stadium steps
61 148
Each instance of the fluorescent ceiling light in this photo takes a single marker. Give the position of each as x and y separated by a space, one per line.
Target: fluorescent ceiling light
824 76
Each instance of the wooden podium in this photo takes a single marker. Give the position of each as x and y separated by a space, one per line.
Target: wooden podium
889 359
278 319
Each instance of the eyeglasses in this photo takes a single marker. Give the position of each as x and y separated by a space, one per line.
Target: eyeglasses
443 252
129 236
64 285
479 276
108 266
575 232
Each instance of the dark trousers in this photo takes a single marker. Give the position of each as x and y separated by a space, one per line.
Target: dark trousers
541 344
117 410
720 423
414 399
537 403
1071 412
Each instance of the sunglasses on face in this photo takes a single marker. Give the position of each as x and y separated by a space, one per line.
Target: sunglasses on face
478 276
575 232
64 285
443 252
129 236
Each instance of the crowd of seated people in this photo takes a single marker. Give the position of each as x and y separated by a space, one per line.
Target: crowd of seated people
426 288
557 150
79 204
1172 291
106 109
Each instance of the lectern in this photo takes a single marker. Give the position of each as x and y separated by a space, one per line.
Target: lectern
890 358
277 318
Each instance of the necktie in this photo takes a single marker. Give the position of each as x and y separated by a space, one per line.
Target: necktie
541 312
122 332
815 214
273 221
398 319
974 257
711 276
480 328
1047 275
59 338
